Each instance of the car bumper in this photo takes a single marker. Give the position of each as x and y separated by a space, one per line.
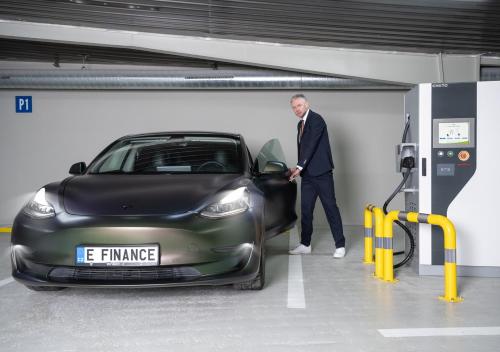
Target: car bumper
218 273
193 250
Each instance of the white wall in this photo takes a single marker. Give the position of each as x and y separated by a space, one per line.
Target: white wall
70 126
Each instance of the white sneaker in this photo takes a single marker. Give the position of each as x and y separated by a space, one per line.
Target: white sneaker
339 253
301 249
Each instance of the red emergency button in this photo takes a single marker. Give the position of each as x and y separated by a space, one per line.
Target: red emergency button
463 155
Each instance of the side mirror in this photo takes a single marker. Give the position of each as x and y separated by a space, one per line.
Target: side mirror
275 167
78 168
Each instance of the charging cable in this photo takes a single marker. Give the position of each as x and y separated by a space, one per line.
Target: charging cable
407 163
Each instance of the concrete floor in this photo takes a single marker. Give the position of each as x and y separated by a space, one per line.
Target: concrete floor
344 309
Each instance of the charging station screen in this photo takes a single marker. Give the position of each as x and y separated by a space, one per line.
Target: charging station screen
454 133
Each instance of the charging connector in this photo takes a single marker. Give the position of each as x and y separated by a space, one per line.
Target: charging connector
408 162
406 156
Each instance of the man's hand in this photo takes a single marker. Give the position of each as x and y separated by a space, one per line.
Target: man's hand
294 172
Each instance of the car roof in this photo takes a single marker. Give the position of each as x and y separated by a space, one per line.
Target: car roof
181 133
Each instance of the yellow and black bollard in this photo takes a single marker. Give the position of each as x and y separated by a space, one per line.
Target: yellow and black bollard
368 235
379 243
450 246
450 257
384 252
388 246
370 212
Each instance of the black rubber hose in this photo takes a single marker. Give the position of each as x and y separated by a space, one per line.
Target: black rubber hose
400 224
412 246
407 126
398 188
387 203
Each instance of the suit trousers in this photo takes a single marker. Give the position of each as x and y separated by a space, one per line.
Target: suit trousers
311 188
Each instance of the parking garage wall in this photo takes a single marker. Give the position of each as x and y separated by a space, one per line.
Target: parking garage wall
65 127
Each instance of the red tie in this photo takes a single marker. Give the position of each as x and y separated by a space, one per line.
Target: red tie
301 129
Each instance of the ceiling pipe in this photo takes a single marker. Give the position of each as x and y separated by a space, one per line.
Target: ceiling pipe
178 80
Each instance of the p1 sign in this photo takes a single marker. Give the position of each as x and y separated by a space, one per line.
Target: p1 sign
24 104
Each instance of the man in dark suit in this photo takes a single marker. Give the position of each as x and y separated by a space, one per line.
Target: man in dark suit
315 167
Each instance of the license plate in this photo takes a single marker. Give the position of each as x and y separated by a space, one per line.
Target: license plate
147 255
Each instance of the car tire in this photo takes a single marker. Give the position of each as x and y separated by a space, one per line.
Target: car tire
45 288
259 281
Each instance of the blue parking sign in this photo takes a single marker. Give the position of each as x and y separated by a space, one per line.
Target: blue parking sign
24 104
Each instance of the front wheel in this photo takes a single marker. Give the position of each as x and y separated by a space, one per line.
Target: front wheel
259 281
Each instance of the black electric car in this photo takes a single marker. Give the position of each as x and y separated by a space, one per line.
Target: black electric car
158 209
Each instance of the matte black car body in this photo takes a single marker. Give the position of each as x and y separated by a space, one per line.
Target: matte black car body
154 209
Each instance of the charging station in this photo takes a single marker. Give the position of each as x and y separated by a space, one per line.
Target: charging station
453 132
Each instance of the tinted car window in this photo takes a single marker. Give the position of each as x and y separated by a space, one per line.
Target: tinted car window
186 154
271 151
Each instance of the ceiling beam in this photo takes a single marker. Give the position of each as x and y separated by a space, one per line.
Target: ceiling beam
385 66
490 61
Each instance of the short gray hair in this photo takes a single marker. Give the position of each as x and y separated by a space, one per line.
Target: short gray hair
298 96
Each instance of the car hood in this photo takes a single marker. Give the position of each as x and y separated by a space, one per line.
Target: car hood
101 195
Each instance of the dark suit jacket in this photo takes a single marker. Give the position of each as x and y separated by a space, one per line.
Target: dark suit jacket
315 155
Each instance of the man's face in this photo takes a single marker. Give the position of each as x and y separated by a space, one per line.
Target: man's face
299 107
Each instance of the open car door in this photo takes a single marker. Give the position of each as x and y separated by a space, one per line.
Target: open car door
271 176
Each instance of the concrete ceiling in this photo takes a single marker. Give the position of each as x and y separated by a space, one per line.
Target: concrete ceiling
464 26
397 41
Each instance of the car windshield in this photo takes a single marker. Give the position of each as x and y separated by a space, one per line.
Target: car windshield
171 154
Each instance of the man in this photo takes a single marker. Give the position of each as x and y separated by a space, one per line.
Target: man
315 167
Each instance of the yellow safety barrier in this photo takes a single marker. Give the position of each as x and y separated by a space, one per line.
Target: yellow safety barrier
450 248
5 230
368 235
370 211
379 249
388 246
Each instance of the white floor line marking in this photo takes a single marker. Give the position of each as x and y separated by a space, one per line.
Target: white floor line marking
296 298
423 332
6 281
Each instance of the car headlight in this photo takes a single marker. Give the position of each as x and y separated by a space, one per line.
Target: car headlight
235 202
39 207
